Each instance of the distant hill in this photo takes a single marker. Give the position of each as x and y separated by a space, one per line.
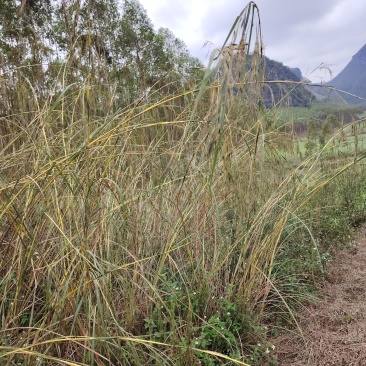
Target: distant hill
352 79
288 94
296 71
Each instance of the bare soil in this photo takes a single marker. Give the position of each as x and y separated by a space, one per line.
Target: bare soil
334 328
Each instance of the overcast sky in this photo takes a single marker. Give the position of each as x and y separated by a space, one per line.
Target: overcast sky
298 33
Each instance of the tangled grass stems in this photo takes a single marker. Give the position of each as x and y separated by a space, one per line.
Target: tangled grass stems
80 340
136 234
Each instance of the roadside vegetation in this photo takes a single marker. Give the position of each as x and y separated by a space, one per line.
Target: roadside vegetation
149 214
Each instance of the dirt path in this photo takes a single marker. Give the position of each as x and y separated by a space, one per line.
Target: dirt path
334 329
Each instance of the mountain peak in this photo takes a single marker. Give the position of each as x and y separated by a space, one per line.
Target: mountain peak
352 79
360 56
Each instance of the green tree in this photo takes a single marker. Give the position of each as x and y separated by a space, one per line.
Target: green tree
86 32
99 41
149 58
26 45
136 35
177 56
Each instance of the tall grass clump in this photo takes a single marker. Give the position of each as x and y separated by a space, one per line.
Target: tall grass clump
149 233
